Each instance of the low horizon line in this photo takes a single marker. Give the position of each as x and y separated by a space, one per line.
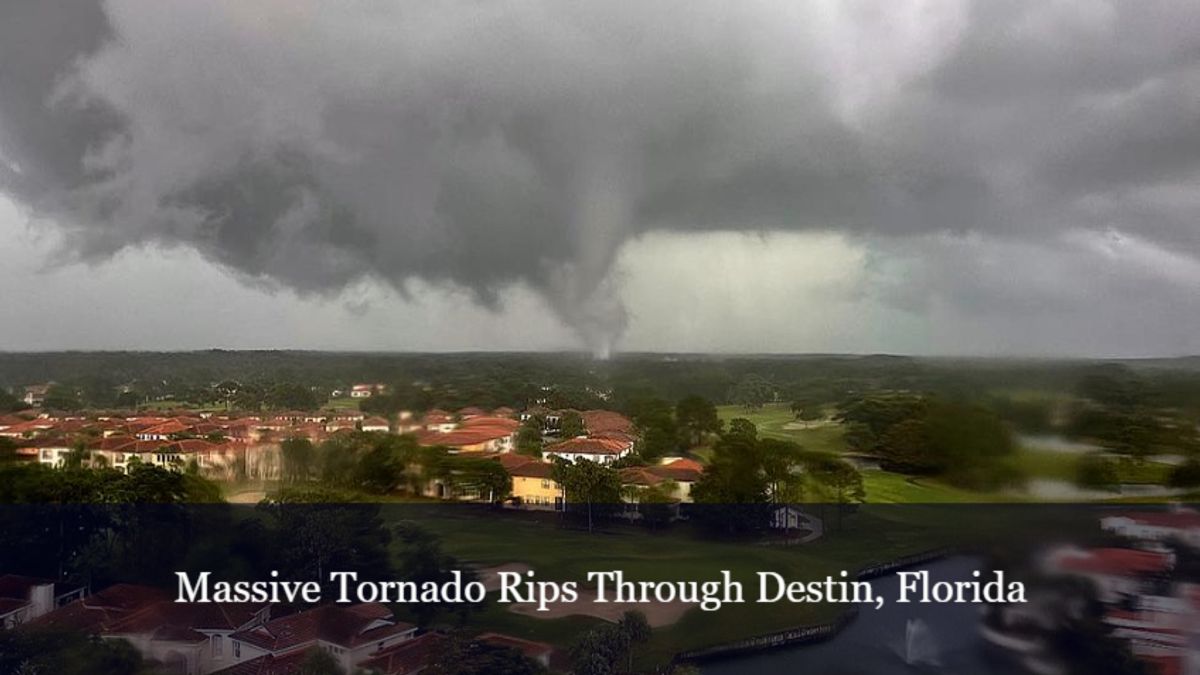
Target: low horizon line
614 356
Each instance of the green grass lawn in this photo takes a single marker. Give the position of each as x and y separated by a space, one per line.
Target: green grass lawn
1144 473
1064 466
1046 464
885 487
852 541
777 421
173 404
343 403
679 554
882 487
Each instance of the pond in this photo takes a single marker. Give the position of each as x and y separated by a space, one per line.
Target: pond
899 639
1057 443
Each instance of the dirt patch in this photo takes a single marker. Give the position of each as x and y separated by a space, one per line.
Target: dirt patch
246 497
806 426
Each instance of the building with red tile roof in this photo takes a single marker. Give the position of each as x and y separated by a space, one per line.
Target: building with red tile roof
350 634
183 637
48 451
29 428
438 420
536 651
490 421
96 613
23 598
1117 572
164 431
1116 561
7 421
599 450
533 484
1178 524
600 421
376 424
406 658
366 390
481 434
640 476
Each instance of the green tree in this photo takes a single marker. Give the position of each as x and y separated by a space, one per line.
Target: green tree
656 442
636 630
868 418
226 392
487 477
810 414
422 560
752 392
697 417
600 651
733 495
571 425
10 403
310 538
1096 472
127 399
381 464
298 455
65 652
806 410
1112 385
838 482
1185 475
963 443
907 447
291 396
529 437
60 397
589 483
740 427
781 469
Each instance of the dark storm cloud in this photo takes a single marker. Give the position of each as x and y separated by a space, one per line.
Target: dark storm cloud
484 144
38 44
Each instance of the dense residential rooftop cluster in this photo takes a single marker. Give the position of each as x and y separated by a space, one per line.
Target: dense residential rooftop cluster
229 446
234 638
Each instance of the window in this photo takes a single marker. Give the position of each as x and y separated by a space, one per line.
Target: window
546 485
237 649
218 645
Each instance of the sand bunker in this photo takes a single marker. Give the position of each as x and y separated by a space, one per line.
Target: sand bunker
657 613
805 426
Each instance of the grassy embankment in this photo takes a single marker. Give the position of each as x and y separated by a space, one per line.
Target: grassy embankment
884 487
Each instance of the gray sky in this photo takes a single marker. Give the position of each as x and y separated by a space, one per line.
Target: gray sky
919 177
